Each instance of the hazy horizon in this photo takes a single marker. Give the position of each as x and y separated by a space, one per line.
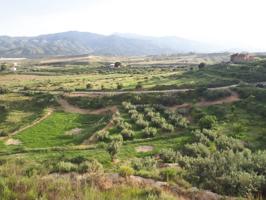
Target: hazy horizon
237 23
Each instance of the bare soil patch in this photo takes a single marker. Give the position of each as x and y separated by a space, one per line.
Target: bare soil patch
74 131
233 98
144 149
12 142
73 109
203 103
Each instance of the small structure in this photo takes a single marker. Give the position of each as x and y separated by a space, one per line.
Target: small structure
112 65
14 67
115 65
241 58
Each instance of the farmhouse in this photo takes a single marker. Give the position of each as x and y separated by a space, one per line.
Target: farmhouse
115 65
241 57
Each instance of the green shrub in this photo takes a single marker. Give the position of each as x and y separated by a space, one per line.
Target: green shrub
126 171
127 134
168 173
114 146
3 90
119 86
207 122
128 105
124 125
78 160
65 167
167 127
147 163
149 132
169 155
196 150
92 166
89 86
142 123
139 86
102 136
3 133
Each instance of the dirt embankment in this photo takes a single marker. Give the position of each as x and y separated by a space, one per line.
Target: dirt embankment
108 181
234 97
67 107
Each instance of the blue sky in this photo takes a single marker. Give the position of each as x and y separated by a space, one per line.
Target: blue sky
227 22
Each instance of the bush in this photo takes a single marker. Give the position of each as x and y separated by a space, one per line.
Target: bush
128 105
212 95
78 159
3 108
147 163
207 122
142 123
126 171
169 156
133 112
167 127
114 147
102 136
228 143
127 134
3 90
92 166
124 125
139 86
119 86
89 86
149 132
3 134
196 150
168 173
65 167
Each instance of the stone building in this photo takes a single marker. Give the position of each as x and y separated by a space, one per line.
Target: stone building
241 57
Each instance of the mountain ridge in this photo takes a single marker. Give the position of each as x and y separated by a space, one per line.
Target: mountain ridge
79 43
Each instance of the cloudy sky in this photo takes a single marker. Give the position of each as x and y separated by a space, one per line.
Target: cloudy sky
226 22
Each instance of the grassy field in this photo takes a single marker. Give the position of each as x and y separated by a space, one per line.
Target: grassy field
53 130
20 111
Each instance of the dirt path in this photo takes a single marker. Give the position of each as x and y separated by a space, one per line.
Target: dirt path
94 93
117 92
49 112
67 107
203 103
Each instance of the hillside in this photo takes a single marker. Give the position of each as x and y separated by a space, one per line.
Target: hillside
78 43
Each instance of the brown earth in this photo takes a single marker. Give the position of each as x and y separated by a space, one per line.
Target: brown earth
144 149
67 107
12 142
203 103
108 181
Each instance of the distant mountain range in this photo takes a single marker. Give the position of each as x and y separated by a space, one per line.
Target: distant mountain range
79 43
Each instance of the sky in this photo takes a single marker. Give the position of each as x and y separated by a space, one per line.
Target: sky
225 22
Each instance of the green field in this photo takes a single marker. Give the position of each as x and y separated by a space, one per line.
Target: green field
52 131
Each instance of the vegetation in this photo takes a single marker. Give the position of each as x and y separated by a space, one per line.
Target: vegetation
211 139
